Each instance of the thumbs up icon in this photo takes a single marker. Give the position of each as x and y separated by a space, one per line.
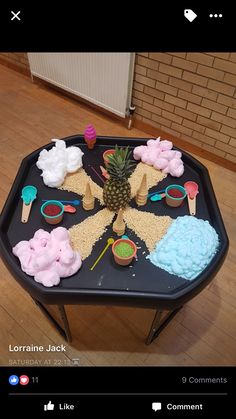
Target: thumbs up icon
49 406
13 380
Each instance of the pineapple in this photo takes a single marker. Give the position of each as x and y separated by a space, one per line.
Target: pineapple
117 190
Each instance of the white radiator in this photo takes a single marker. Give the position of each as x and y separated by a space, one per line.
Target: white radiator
104 79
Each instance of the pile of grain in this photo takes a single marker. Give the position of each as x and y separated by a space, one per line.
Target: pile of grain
153 177
83 236
76 182
149 227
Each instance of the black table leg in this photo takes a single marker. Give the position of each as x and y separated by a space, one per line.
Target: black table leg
65 332
159 324
65 323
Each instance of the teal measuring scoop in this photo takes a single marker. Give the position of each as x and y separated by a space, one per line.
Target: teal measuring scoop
157 197
28 194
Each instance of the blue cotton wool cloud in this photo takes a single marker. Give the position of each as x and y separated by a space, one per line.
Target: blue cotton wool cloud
187 248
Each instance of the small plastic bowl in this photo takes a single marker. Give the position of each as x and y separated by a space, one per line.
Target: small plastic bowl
53 219
171 200
122 260
106 154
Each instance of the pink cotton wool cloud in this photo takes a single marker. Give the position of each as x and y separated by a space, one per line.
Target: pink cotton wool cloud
160 155
48 256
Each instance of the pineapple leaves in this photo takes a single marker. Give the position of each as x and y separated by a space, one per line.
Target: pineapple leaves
120 165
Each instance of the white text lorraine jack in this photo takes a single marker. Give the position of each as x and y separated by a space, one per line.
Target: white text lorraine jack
37 348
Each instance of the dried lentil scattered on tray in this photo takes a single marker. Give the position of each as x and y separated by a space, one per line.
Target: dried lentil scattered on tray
76 182
149 227
153 177
83 236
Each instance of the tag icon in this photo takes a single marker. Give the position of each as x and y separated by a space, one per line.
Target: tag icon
190 15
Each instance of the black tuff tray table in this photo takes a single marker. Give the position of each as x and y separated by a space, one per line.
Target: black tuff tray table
142 284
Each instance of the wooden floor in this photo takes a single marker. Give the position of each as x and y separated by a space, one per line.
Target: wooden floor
203 332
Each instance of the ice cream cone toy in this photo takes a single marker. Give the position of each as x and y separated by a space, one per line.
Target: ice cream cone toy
192 191
119 225
142 194
28 195
88 199
90 136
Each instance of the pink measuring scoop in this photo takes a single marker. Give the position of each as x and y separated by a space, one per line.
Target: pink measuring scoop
192 191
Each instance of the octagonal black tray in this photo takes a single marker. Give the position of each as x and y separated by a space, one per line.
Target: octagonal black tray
142 284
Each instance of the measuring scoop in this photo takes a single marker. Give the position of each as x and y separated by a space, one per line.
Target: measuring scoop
156 193
70 209
104 172
157 197
28 194
74 202
109 242
192 191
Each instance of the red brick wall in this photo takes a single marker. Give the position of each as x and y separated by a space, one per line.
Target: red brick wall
191 96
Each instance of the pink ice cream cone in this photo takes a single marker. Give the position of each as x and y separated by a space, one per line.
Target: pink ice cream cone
90 136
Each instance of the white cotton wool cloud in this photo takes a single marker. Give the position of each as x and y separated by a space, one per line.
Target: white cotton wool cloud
57 162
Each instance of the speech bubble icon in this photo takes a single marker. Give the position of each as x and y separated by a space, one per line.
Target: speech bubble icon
156 406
